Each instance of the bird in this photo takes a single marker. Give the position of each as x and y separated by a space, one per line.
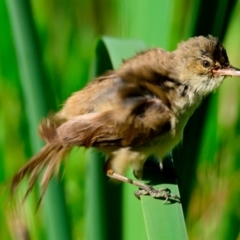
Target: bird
138 110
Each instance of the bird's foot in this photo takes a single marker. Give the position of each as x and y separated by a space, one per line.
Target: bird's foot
144 188
157 193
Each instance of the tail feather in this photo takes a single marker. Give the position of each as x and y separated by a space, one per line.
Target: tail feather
29 167
53 167
48 159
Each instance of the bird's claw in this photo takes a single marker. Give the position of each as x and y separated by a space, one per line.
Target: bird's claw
157 193
145 189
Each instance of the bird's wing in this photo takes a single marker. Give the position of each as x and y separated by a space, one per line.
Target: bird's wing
122 127
144 73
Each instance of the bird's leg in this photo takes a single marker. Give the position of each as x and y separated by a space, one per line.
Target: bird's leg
144 188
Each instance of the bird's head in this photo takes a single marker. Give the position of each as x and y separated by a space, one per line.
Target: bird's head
203 64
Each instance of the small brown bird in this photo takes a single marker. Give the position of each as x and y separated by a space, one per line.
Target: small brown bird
136 111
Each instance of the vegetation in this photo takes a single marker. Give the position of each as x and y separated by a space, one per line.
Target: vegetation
60 42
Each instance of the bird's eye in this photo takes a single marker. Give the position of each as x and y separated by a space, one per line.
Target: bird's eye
206 63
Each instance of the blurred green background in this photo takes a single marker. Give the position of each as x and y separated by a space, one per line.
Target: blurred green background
65 35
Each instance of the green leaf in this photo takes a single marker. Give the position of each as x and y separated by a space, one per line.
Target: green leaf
154 212
36 91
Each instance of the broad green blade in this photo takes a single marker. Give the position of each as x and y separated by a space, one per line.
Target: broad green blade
103 213
36 90
148 218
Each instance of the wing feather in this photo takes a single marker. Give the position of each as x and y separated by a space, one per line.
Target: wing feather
120 128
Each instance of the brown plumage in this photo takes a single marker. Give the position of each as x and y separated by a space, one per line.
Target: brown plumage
133 112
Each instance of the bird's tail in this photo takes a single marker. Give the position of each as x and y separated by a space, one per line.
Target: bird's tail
49 158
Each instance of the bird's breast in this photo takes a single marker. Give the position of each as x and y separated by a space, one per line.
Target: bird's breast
164 143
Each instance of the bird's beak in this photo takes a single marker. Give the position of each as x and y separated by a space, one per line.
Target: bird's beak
230 71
